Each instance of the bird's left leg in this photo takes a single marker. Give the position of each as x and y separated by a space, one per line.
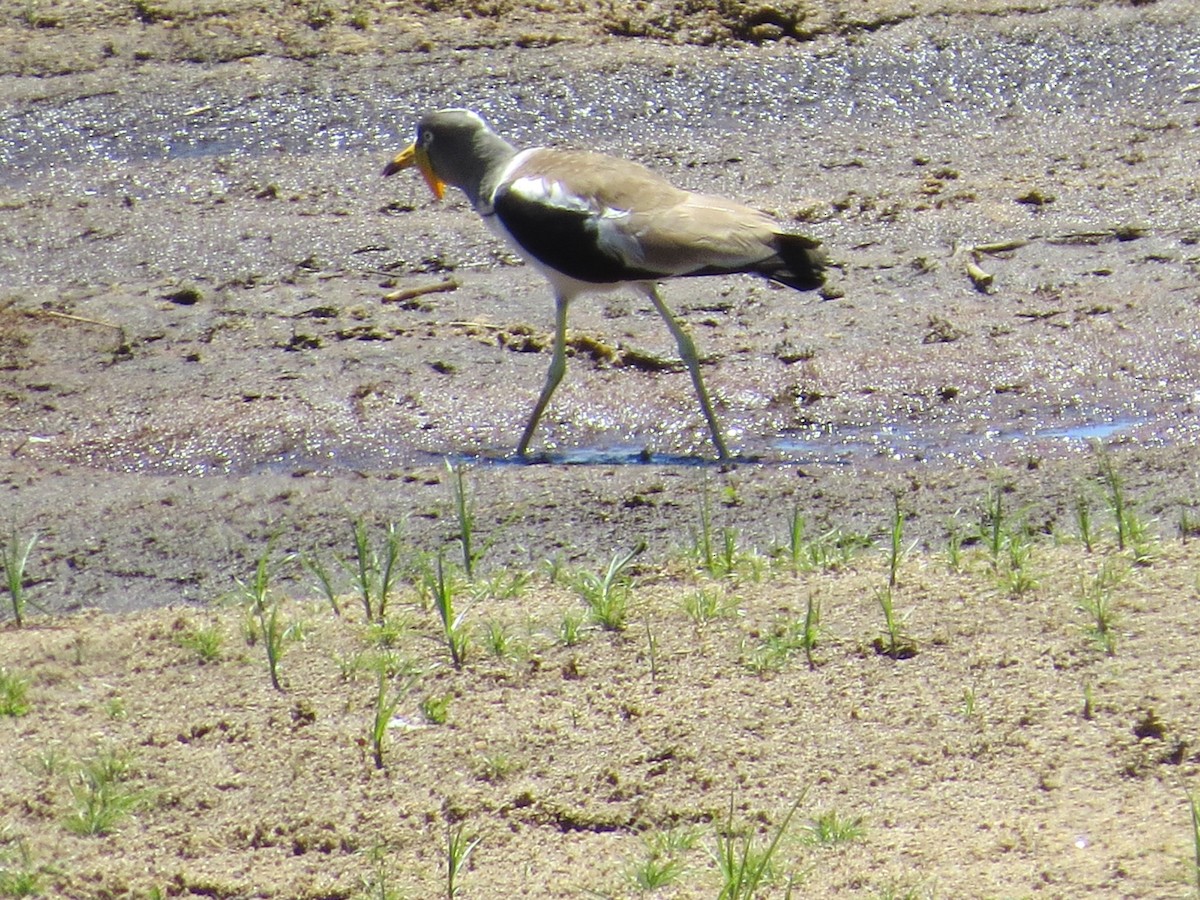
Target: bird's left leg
687 350
558 365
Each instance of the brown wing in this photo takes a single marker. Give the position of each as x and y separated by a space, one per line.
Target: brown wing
603 220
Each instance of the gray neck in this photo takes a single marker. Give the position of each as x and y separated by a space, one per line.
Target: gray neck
480 167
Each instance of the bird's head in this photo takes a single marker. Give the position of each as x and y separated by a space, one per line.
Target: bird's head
453 146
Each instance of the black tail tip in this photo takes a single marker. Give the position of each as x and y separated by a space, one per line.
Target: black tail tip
804 262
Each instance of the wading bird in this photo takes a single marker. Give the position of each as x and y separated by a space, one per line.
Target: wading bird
592 222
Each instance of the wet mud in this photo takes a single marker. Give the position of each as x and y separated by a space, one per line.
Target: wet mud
218 323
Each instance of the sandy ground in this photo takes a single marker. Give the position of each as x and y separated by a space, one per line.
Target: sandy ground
1010 756
206 352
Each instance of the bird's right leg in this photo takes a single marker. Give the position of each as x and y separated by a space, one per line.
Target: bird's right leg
691 359
558 365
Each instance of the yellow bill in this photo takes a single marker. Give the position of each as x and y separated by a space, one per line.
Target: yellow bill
419 157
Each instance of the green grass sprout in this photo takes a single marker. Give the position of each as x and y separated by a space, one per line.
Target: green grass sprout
14 694
265 619
386 703
895 641
324 581
607 594
100 795
205 641
375 571
441 589
830 828
459 848
745 865
464 513
19 875
14 560
1097 603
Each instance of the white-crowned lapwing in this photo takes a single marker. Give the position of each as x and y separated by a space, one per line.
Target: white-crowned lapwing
592 222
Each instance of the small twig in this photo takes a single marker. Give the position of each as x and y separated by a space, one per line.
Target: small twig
981 279
1104 236
999 246
1040 314
72 318
449 284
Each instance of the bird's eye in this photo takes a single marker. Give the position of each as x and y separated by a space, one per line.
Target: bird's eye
425 138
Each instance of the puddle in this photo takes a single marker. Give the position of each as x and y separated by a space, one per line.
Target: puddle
618 455
915 444
1092 432
848 446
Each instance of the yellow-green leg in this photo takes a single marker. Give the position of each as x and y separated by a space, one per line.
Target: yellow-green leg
687 350
558 365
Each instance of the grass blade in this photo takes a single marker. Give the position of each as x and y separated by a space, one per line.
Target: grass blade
14 561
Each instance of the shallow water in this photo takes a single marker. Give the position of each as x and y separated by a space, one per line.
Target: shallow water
295 454
899 443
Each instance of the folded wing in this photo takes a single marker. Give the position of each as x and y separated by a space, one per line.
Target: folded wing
603 220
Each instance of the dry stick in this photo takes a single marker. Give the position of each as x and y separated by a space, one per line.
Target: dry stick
73 318
999 246
981 279
449 284
122 341
1103 236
